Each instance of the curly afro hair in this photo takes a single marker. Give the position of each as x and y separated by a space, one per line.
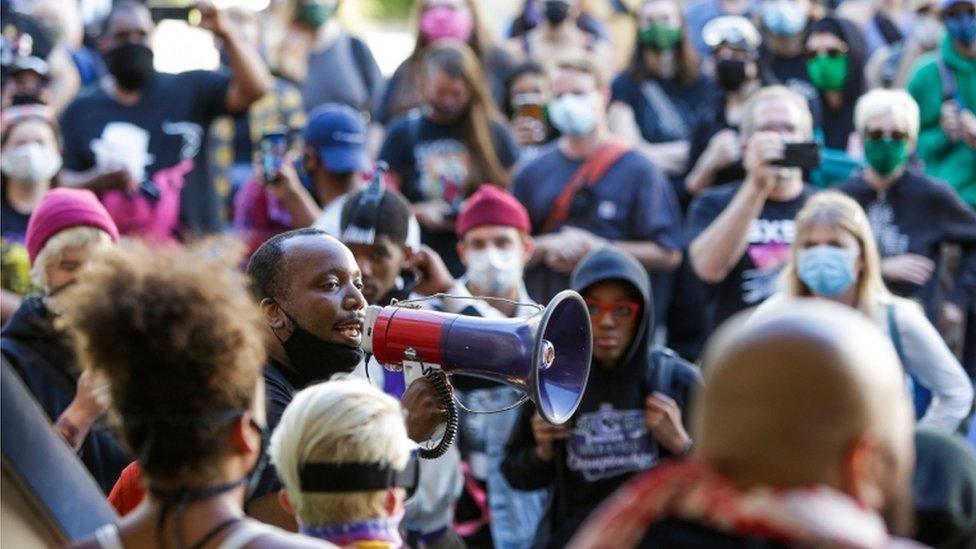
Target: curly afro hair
179 338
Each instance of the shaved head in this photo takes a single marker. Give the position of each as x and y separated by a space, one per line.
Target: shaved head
808 393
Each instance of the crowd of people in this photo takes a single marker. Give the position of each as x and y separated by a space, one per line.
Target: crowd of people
768 207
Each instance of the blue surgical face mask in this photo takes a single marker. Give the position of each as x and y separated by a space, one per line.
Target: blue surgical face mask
784 17
573 114
962 28
827 271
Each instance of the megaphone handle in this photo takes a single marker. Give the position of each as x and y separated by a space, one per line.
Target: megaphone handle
412 372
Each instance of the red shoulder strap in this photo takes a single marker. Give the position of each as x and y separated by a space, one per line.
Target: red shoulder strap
590 173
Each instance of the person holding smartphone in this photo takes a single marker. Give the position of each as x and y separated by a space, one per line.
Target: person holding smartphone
526 107
740 234
139 139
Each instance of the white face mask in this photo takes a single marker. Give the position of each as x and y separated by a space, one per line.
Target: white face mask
31 163
574 114
494 270
928 31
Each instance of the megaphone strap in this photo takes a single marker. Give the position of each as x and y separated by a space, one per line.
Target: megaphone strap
419 300
511 406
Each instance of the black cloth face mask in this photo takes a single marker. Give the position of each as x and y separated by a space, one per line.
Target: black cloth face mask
731 73
131 65
316 359
556 11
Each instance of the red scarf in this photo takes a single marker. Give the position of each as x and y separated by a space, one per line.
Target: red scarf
691 491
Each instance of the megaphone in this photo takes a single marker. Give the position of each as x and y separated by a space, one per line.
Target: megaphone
546 356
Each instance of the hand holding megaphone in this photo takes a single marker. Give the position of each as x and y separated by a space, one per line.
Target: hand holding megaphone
425 410
546 356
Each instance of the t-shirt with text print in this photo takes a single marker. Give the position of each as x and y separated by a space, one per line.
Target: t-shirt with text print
755 276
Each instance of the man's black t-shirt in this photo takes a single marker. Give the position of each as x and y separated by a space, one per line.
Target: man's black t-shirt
434 162
164 134
280 386
754 277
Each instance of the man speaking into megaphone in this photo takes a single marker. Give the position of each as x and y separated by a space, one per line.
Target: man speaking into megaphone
309 288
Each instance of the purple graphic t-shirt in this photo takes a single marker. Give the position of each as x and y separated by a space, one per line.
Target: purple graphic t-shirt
609 442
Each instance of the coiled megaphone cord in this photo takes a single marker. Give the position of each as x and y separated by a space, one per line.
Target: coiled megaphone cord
439 381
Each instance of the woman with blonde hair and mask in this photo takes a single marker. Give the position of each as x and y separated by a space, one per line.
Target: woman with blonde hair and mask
834 256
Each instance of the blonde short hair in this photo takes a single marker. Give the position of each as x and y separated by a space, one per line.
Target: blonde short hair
838 211
73 237
898 103
339 422
776 93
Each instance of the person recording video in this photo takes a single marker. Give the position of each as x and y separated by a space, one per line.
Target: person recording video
740 234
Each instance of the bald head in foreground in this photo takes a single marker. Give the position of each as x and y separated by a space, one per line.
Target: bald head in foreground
804 434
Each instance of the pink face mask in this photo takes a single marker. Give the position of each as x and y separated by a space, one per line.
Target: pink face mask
444 22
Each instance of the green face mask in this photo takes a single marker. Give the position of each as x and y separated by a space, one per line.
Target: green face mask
659 37
885 155
314 14
828 73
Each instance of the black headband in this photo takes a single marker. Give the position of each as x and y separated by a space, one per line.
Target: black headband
358 477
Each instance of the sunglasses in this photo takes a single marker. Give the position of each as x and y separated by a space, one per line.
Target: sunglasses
891 136
625 311
830 52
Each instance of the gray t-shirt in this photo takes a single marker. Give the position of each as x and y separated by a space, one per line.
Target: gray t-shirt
346 73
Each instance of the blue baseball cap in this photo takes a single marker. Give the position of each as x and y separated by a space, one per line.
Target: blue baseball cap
338 134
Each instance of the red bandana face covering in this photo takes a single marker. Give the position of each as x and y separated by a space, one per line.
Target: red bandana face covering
817 516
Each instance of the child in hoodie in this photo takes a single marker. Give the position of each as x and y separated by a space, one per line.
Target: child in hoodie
630 417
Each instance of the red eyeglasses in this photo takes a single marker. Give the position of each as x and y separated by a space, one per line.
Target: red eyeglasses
622 311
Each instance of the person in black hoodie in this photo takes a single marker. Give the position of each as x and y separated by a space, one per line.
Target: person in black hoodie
68 226
631 415
836 57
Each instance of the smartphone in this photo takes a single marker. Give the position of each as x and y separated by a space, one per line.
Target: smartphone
274 145
180 10
804 155
530 105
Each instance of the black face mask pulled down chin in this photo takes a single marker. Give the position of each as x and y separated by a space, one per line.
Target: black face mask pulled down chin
131 65
316 359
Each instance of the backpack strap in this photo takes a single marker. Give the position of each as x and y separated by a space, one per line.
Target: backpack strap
949 90
659 376
889 67
894 333
589 174
361 54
